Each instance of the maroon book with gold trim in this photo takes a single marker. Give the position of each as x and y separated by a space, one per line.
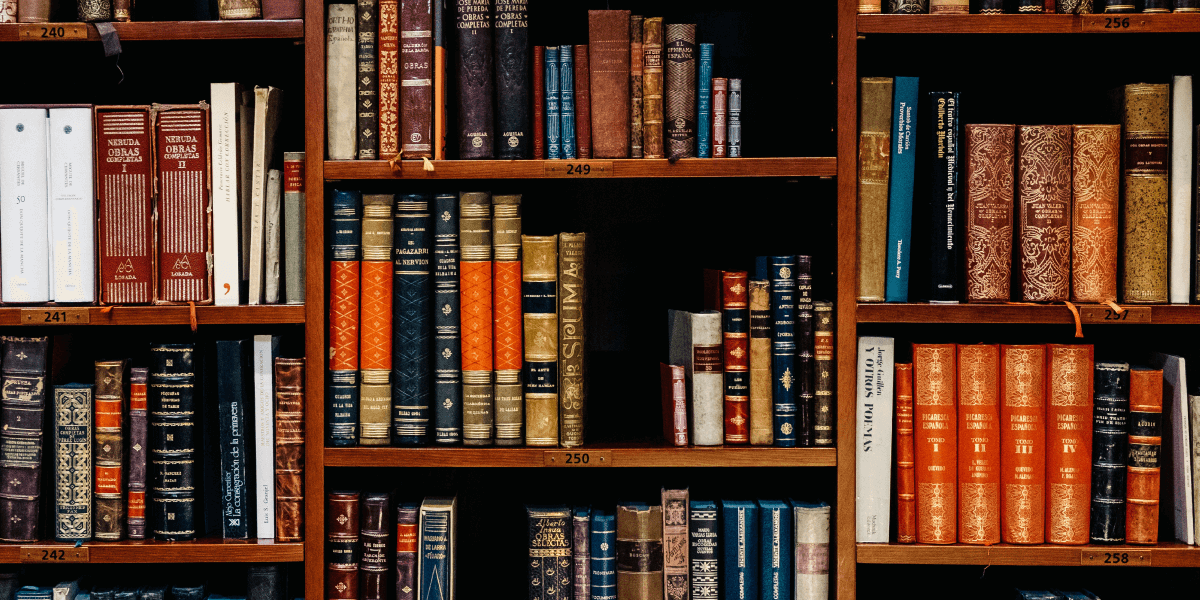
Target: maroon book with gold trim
736 316
124 189
184 206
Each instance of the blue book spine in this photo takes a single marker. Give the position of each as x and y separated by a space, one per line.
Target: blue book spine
411 335
806 362
762 268
551 572
447 344
775 555
566 77
704 551
783 349
900 188
739 557
237 458
553 115
433 555
604 555
704 102
341 419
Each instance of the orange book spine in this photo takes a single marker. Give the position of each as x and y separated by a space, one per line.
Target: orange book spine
1145 446
935 442
906 483
476 298
376 345
1068 443
979 444
343 314
1023 444
510 349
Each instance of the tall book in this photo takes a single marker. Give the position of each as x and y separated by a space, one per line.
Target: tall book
388 68
508 348
341 135
439 80
805 357
108 454
1068 442
419 74
289 449
436 533
135 511
873 438
294 218
1044 201
740 577
235 418
341 419
604 555
900 188
720 116
572 337
1023 444
183 206
608 46
776 551
512 80
366 79
376 289
704 104
583 102
539 102
639 555
945 209
989 222
261 268
475 281
812 549
262 363
636 84
73 460
411 340
1176 461
373 534
171 395
476 93
703 527
124 189
783 349
1146 221
1110 450
581 517
733 120
22 410
1193 407
1095 186
735 318
447 344
566 90
1182 190
679 117
227 279
273 246
936 446
245 176
539 291
652 88
551 65
874 161
72 205
906 462
707 385
761 408
406 550
676 544
824 411
342 551
551 572
979 428
1145 448
24 243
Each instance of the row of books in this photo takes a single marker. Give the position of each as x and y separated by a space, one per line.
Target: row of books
42 11
263 582
1070 194
154 448
676 549
452 327
386 86
757 365
1027 7
1025 444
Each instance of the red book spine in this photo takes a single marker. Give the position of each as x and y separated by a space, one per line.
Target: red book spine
583 102
906 483
389 78
979 444
343 314
123 168
539 105
1068 443
1023 444
1145 448
674 404
184 207
935 442
735 303
720 108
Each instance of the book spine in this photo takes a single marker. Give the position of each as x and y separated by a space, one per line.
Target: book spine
910 7
447 345
676 544
704 104
874 160
375 314
824 411
411 306
739 538
900 188
775 549
707 381
508 348
812 550
22 410
566 90
73 457
1145 449
475 272
805 358
124 189
417 75
171 395
366 80
604 555
439 81
979 444
1184 6
539 290
553 108
581 519
435 559
720 112
572 334
33 11
135 510
1068 443
761 409
236 450
289 449
512 79
389 73
262 363
121 10
344 285
1095 182
733 120
1145 234
72 201
680 116
227 274
1030 6
1195 238
1182 189
652 87
990 156
783 355
475 82
608 43
636 84
936 445
873 438
341 546
1044 192
539 102
108 452
1110 450
340 87
373 537
639 556
674 403
1084 7
703 551
226 9
736 333
551 572
406 551
945 210
1157 6
24 243
183 208
906 482
948 7
294 217
273 236
1023 444
583 102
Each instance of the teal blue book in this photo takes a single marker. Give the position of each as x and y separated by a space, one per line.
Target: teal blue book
566 90
553 113
704 103
739 550
900 188
604 555
775 549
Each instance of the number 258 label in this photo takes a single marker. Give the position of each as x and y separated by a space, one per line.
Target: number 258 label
1116 558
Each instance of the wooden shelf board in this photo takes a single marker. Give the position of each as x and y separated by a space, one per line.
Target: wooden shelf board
188 30
1166 554
1015 23
207 550
881 312
620 456
621 168
170 315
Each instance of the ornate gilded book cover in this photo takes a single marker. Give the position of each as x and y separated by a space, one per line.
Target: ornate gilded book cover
475 273
475 90
101 10
675 544
366 79
447 344
22 410
512 79
908 7
824 410
733 120
412 287
135 511
680 55
906 464
375 327
373 567
783 350
508 349
608 44
109 453
1145 451
806 363
1096 187
639 552
720 111
123 190
1068 443
1078 7
73 461
652 88
674 403
636 62
761 409
289 449
406 550
948 7
1023 444
389 72
539 288
551 571
341 421
417 73
990 156
1044 189
936 445
341 545
572 337
173 416
1110 450
1144 256
581 519
736 335
979 444
226 9
874 158
184 206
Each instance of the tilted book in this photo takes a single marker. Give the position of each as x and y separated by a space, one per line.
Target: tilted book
373 567
1023 444
652 88
783 349
636 85
341 138
1044 200
935 442
512 80
375 310
676 544
572 335
583 102
388 67
124 189
24 242
740 577
266 122
874 161
135 519
639 556
342 528
1095 184
22 410
108 420
1110 449
873 438
1176 459
227 250
447 344
979 428
679 64
1145 448
604 555
418 72
608 45
704 556
989 222
289 449
776 552
539 290
366 80
476 91
736 336
508 348
761 408
906 462
475 281
945 206
73 459
341 420
553 103
551 572
1145 217
1068 443
812 549
566 90
183 207
236 421
436 570
72 206
900 188
412 286
581 518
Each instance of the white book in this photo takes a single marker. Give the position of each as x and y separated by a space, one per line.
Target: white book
24 218
274 204
1180 238
266 121
873 438
707 408
811 538
227 276
341 123
1176 453
265 349
72 206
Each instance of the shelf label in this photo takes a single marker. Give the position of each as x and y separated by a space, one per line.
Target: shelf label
54 554
578 169
1115 23
55 316
51 32
586 458
1099 313
1115 558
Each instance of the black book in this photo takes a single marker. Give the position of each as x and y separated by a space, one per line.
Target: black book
367 80
806 363
171 395
22 414
474 68
513 86
236 423
186 592
945 212
1110 446
266 582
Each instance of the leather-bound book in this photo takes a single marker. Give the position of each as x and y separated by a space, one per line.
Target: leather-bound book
636 62
572 334
824 411
123 187
948 7
263 582
761 408
135 505
101 10
583 102
475 83
566 91
1044 173
874 160
608 46
1144 257
539 290
539 102
707 389
906 462
805 357
375 322
1095 182
720 111
1187 6
979 444
342 549
171 395
436 570
389 70
989 222
235 418
341 421
33 11
1077 7
553 103
908 7
735 332
946 212
674 404
733 120
73 461
704 553
475 280
639 552
739 539
1022 444
1028 7
679 118
289 449
936 446
366 79
704 103
226 9
22 410
675 549
1157 6
581 555
341 125
508 349
1110 449
604 554
1145 450
417 73
183 207
551 572
121 10
513 130
783 349
373 564
652 88
870 7
1068 443
991 7
109 420
406 550
412 288
273 9
447 344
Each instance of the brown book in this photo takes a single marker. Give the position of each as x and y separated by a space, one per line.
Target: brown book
675 543
948 7
608 46
870 7
1023 444
639 552
572 332
735 304
979 444
1044 172
652 88
236 9
936 445
636 59
680 54
183 206
278 9
583 101
874 159
1068 443
539 104
1145 451
1144 257
341 546
762 428
539 282
91 11
374 564
120 9
989 212
416 79
674 404
1095 182
109 505
376 274
289 449
720 110
906 483
125 232
33 11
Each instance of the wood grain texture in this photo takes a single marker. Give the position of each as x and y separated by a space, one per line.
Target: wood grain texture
1167 554
1006 313
171 315
842 577
204 550
621 456
1016 23
190 30
636 167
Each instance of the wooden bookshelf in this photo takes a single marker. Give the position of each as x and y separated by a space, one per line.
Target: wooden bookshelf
181 30
206 550
618 168
1016 23
1167 554
154 315
599 456
1015 313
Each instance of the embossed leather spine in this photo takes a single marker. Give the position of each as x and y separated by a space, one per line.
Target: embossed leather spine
1022 444
171 395
436 570
1110 450
761 408
604 555
412 291
990 156
679 62
512 79
475 272
979 444
553 104
109 420
73 458
22 410
539 102
289 449
447 344
508 348
704 103
805 357
566 90
475 89
581 518
946 211
406 550
375 314
1044 192
235 419
776 551
1077 7
735 333
906 464
824 409
539 290
572 337
739 555
637 60
341 420
874 160
417 76
674 404
704 556
1096 188
1145 451
366 79
1068 443
583 102
652 88
676 544
551 572
639 542
783 349
373 564
124 188
909 7
183 206
733 141
1144 256
101 10
389 71
1028 7
936 445
720 111
341 545
608 45
135 509
226 9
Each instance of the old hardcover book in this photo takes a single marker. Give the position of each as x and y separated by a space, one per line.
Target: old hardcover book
173 482
1095 184
1030 6
906 482
508 349
783 349
776 550
373 564
293 228
948 7
674 404
680 53
388 43
873 438
936 446
342 551
900 189
1044 197
539 102
263 272
108 455
639 556
652 88
226 179
1182 187
761 408
720 112
704 103
406 550
124 189
566 90
289 449
979 444
1110 450
551 572
135 510
572 337
1079 7
707 393
874 160
1182 6
704 578
608 45
73 458
436 570
72 202
1145 447
870 7
341 421
1146 223
273 246
1157 6
676 544
475 83
824 411
990 155
1176 459
366 80
417 73
1068 443
101 10
581 518
512 79
1193 409
412 287
1023 444
604 555
184 207
583 102
805 357
375 321
551 81
227 9
22 409
24 210
539 290
812 549
340 88
636 61
739 558
447 346
735 318
908 7
475 272
235 419
945 209
733 120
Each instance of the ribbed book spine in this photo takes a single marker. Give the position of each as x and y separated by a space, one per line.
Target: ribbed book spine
776 553
389 74
289 449
566 90
733 136
652 87
979 444
553 106
1023 444
707 394
636 84
604 555
572 333
539 102
805 352
1096 189
812 550
783 355
824 410
680 66
1110 449
1145 451
172 402
447 345
639 552
435 557
874 161
475 272
581 518
539 290
183 207
109 450
704 104
1068 443
740 558
720 113
1044 201
1146 221
936 443
508 348
736 334
406 551
341 545
344 279
704 578
135 511
366 80
906 482
73 458
676 544
126 234
990 159
418 72
373 537
583 102
761 409
512 79
475 85
375 340
900 188
411 343
551 572
945 242
22 411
